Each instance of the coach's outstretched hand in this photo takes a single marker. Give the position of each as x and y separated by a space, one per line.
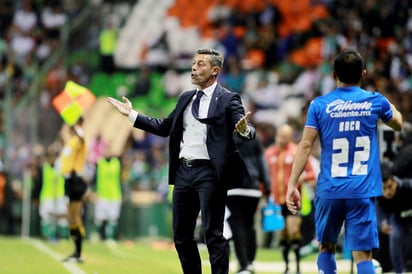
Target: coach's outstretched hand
124 107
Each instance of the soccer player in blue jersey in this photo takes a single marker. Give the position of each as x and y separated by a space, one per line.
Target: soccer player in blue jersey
346 121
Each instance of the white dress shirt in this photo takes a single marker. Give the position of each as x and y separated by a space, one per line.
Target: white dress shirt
193 145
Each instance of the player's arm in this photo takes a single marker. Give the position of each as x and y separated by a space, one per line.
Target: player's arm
303 153
308 175
396 122
304 150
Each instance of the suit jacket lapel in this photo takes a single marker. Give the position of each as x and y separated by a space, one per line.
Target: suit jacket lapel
180 108
214 101
216 96
185 101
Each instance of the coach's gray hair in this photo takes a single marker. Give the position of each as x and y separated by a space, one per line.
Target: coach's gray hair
216 58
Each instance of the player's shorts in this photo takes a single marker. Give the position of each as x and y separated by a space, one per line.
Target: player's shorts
75 187
49 209
105 210
358 217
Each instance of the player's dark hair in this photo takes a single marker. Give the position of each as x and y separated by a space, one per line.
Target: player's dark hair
348 66
386 170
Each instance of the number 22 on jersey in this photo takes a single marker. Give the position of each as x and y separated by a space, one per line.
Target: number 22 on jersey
340 159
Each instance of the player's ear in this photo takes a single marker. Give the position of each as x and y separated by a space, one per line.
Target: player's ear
334 76
364 74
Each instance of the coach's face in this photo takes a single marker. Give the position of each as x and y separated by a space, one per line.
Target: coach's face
203 73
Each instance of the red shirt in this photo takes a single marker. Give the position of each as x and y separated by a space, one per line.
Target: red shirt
280 163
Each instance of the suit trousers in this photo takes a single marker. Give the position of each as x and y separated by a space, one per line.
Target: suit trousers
196 189
242 223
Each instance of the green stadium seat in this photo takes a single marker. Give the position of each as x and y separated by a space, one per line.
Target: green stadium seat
157 93
99 84
117 80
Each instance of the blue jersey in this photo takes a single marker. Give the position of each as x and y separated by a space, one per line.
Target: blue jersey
346 120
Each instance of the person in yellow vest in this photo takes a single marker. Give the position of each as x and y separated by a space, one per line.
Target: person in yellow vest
48 191
108 191
73 167
107 39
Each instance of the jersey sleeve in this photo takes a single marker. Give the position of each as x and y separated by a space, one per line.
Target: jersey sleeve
311 117
387 114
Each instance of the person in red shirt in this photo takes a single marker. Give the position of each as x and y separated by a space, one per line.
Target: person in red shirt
279 158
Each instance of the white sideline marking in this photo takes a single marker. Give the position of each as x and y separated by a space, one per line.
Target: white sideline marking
43 248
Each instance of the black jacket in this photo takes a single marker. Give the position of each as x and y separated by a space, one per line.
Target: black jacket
225 111
402 162
252 154
400 206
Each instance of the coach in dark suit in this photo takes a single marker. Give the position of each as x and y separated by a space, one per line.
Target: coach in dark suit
203 159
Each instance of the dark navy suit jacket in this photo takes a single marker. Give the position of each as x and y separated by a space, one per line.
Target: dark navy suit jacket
225 111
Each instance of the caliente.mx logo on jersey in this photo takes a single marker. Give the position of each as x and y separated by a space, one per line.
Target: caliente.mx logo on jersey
340 109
